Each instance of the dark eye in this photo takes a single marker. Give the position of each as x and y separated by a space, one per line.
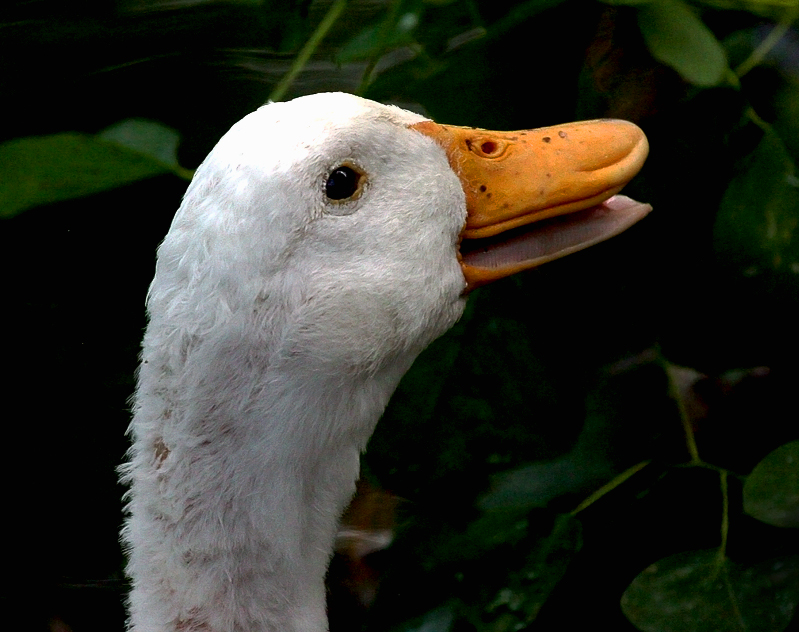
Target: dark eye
342 183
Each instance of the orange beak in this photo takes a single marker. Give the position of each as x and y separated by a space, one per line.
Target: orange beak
512 179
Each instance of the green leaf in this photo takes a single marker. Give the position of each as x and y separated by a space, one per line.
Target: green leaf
698 591
45 169
395 30
147 138
771 491
628 3
518 14
368 43
756 227
677 37
773 9
786 116
517 604
438 620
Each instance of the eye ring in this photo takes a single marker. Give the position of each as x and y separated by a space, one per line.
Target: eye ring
344 183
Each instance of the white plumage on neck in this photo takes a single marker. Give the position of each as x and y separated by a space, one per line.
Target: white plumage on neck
280 324
315 254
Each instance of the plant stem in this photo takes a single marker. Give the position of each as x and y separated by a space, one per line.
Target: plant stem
725 514
768 43
722 566
610 485
366 79
674 393
307 51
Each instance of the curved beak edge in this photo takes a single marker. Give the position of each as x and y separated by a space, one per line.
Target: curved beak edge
533 196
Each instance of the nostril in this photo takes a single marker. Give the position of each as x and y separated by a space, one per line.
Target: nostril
490 148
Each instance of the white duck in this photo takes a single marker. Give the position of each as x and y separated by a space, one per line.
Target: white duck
315 254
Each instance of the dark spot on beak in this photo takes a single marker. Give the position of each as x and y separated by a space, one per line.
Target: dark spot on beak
562 134
547 139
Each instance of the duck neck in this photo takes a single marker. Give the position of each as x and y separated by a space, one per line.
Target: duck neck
239 472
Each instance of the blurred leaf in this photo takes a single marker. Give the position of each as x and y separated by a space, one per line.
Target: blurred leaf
771 3
757 223
537 484
771 492
518 604
522 579
520 13
677 37
44 169
147 138
374 40
786 122
766 8
438 620
697 591
421 387
628 3
394 30
589 470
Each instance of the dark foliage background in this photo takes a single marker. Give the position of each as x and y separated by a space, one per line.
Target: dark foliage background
661 365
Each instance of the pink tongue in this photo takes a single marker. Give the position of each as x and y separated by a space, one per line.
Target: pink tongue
544 241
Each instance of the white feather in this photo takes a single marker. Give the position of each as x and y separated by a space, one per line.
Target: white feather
280 324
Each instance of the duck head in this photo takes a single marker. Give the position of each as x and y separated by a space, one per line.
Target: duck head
320 247
364 225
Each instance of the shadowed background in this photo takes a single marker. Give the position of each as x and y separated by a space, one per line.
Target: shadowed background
554 382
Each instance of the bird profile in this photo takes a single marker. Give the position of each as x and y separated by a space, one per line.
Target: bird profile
320 247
